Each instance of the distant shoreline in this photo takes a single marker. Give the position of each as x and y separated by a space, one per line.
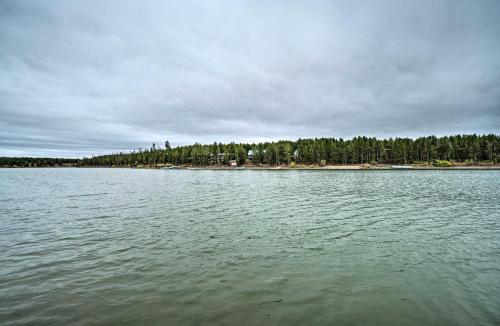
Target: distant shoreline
350 167
343 167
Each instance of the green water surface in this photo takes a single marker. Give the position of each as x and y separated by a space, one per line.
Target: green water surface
181 247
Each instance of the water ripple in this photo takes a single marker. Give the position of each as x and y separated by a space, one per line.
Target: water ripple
105 246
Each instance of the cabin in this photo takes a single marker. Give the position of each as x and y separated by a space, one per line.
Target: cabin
217 158
233 163
251 153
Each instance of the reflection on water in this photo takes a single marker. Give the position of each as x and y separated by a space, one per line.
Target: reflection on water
178 247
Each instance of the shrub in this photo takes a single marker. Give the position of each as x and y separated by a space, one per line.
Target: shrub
442 164
293 165
322 163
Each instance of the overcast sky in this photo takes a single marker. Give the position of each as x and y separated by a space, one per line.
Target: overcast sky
88 77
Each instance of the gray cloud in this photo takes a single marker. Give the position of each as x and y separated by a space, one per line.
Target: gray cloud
88 77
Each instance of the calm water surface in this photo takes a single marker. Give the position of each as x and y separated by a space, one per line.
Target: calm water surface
180 247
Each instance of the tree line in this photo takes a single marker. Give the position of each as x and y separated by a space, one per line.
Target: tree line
321 151
37 162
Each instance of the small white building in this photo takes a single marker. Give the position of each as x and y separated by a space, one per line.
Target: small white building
233 163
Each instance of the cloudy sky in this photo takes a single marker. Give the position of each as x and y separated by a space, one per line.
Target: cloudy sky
88 77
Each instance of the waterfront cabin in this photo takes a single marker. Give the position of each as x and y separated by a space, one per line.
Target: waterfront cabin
216 158
233 163
251 153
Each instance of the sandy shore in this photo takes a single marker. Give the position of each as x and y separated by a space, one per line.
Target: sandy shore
283 167
342 167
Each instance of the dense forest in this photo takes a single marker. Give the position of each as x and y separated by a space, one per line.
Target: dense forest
466 149
37 162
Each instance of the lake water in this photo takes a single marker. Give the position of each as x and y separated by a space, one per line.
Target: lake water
184 247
